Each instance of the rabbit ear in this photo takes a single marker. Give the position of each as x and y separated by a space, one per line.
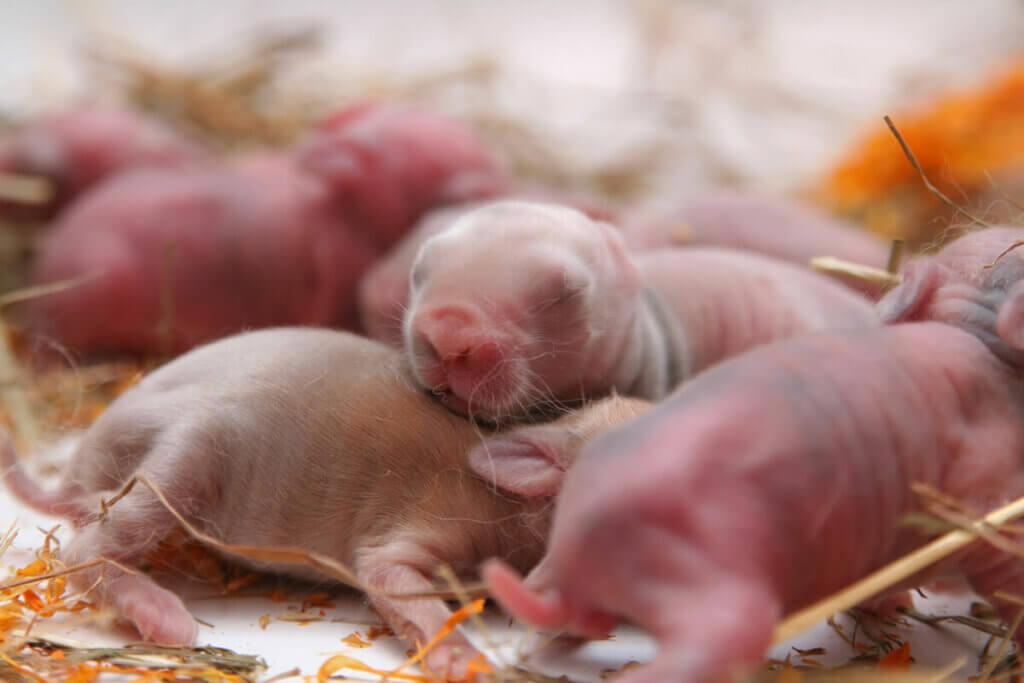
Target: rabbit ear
529 461
907 299
1010 317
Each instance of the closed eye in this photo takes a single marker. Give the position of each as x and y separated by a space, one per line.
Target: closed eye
418 274
558 289
573 285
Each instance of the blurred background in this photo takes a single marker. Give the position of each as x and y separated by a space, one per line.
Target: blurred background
630 98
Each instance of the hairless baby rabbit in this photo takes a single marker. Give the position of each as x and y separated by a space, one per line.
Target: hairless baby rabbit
311 439
780 476
518 305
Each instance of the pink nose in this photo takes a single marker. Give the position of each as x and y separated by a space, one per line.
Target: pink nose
455 341
472 367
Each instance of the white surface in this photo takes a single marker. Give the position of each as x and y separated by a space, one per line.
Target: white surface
739 92
287 645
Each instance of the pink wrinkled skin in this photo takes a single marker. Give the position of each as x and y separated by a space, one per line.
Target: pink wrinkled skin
77 149
184 256
784 230
311 439
384 290
970 284
780 476
388 164
517 305
189 254
768 483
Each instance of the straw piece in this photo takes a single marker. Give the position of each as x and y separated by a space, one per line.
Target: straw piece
36 291
831 265
894 573
924 178
11 395
1003 644
895 256
323 563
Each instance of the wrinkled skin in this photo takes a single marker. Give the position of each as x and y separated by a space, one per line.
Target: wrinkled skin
77 149
184 256
518 305
785 230
191 254
971 284
726 219
387 164
310 439
773 227
780 476
384 290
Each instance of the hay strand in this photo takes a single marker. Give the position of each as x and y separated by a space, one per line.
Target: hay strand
36 291
18 408
150 661
830 265
970 622
895 256
64 572
924 178
286 555
1003 253
1003 645
894 573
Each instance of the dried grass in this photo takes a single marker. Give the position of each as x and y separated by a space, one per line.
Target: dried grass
226 102
39 591
49 659
902 569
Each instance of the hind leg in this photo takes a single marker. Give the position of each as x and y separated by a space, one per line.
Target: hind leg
402 567
117 443
131 529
